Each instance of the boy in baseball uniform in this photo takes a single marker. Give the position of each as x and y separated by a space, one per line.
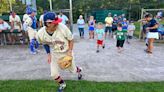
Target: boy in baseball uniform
31 23
16 24
57 37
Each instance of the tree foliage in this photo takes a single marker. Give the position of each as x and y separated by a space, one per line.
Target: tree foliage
133 7
4 6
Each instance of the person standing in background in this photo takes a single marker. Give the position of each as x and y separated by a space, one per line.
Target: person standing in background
41 20
108 21
91 24
131 29
63 17
81 25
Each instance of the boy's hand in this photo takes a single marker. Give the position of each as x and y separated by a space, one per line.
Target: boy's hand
69 53
11 30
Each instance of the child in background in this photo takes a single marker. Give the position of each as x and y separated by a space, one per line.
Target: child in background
131 29
120 35
91 25
100 35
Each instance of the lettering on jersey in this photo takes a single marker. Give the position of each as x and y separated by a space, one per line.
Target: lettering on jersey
60 43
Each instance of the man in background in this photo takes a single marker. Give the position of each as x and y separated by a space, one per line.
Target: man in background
64 18
15 23
108 21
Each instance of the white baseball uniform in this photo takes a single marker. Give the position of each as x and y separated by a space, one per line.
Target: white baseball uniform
16 20
41 19
59 46
31 32
25 17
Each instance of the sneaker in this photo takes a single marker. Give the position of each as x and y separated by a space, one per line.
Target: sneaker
103 46
37 50
97 51
62 87
146 50
128 42
33 53
79 74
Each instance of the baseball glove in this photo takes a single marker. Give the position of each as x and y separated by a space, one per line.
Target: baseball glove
65 62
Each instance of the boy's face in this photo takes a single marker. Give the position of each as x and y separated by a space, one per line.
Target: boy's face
99 26
13 14
91 17
119 28
51 26
33 14
148 18
81 17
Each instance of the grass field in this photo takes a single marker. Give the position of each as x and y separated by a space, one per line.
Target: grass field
79 86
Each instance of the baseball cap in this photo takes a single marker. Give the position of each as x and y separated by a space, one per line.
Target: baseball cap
29 10
51 17
109 13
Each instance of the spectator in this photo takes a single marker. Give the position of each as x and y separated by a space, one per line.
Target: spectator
41 20
115 22
124 24
108 21
131 29
161 31
15 23
81 25
91 24
3 26
143 33
160 14
63 17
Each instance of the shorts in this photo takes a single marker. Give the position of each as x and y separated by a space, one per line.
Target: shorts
91 28
120 43
114 28
100 42
55 56
108 29
153 35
